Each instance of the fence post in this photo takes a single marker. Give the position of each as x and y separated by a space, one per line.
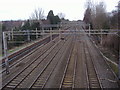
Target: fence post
28 35
36 33
50 34
59 34
89 29
12 34
101 37
9 36
43 32
5 52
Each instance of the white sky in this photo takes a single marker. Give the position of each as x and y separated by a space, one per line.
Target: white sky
22 9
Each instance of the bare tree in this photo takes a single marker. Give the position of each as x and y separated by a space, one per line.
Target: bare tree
100 16
38 14
96 15
61 15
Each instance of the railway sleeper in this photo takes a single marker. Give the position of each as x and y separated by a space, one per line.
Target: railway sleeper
92 76
40 85
14 83
94 83
37 86
21 77
67 85
68 81
39 82
94 86
10 86
93 80
41 79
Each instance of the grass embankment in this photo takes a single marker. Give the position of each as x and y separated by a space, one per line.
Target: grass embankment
17 48
114 67
111 59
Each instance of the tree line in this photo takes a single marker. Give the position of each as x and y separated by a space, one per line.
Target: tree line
97 16
37 17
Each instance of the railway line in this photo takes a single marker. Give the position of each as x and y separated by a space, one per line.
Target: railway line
68 76
57 74
15 56
39 51
34 64
62 63
93 78
44 76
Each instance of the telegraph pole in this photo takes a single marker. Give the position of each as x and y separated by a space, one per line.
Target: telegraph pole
5 52
119 56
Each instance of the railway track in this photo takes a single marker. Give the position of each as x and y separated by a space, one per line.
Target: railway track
27 71
24 51
26 60
80 71
93 79
69 72
59 62
16 57
56 77
43 77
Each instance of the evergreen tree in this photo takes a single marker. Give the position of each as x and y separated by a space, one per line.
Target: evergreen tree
53 19
50 17
26 25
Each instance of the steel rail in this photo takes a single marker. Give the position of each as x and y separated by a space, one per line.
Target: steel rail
29 65
94 81
75 67
32 44
56 51
66 67
34 50
84 51
44 80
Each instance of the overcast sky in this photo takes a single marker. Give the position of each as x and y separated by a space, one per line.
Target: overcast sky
22 9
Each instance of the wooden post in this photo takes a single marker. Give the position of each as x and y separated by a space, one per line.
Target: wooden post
36 34
5 53
101 37
59 34
9 36
12 35
28 35
50 34
89 29
43 32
